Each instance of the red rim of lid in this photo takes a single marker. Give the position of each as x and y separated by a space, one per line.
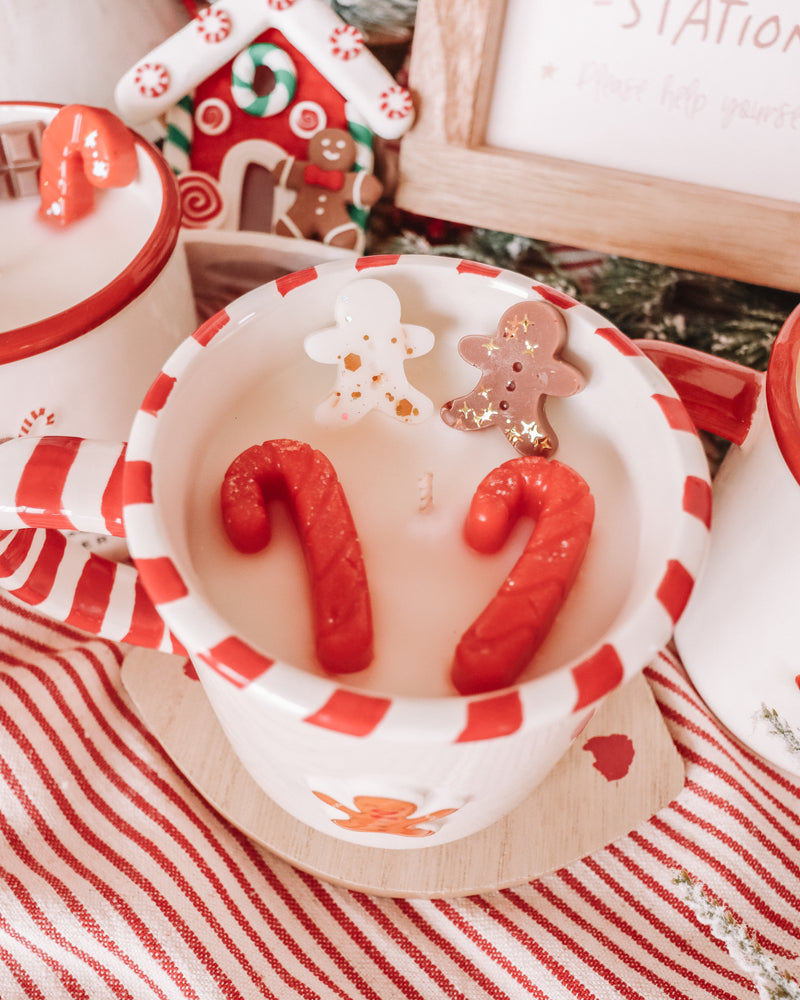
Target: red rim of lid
60 328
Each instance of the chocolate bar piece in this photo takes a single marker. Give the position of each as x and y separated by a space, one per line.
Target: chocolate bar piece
20 158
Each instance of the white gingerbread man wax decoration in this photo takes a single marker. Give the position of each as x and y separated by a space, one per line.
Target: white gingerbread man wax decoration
370 345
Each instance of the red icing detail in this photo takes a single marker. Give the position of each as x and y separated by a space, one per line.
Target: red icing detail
557 298
213 24
489 718
613 755
157 395
147 626
205 334
797 680
331 180
289 282
396 102
40 487
137 482
350 712
83 148
618 339
92 594
346 42
237 660
675 412
190 671
41 578
675 588
697 499
506 635
473 267
378 260
597 675
280 4
304 478
152 79
161 579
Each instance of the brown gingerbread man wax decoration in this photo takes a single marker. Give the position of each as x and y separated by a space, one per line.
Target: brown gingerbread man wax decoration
326 184
520 365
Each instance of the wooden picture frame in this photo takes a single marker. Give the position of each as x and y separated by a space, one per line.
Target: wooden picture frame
447 171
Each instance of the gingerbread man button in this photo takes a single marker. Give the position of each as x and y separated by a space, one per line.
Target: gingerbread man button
370 346
520 365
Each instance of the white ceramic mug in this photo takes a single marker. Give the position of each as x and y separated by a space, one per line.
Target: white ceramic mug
89 311
739 637
391 756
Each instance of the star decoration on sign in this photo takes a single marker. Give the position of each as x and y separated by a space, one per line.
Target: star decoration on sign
520 365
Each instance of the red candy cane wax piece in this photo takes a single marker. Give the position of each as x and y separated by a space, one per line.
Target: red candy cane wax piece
502 640
83 148
303 478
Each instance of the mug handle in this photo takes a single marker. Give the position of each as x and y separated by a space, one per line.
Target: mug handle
719 395
50 485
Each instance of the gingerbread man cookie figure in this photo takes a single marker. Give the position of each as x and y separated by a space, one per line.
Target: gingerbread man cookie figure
375 814
369 345
326 184
520 365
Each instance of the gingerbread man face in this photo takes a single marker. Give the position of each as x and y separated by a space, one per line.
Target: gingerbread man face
332 149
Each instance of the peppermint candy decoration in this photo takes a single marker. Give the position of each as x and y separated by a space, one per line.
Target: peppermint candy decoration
214 24
243 74
280 4
307 118
346 42
396 102
202 204
152 79
213 116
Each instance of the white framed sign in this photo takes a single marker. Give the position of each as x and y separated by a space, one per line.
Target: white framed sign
666 130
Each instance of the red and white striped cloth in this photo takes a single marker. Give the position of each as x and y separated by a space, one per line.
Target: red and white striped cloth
118 880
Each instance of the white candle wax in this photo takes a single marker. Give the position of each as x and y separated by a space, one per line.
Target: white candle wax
45 269
426 585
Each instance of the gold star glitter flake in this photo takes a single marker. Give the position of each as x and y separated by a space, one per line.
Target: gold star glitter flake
517 373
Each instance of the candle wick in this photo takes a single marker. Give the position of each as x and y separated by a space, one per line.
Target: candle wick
425 485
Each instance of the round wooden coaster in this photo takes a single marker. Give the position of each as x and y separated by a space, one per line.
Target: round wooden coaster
621 770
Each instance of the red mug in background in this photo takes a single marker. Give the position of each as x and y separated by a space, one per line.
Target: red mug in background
739 636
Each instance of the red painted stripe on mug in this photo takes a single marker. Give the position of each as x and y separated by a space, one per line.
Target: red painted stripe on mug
350 712
675 412
137 482
147 627
675 588
41 485
697 499
92 594
161 579
237 660
488 718
559 299
618 339
473 267
157 395
111 503
379 260
289 282
40 580
16 552
597 675
206 332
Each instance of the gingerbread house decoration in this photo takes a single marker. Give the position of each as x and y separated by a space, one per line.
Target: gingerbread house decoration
270 108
